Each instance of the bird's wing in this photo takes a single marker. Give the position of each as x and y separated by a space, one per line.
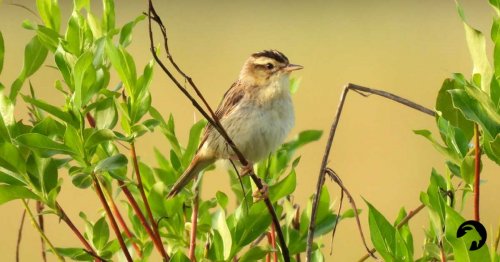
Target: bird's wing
231 99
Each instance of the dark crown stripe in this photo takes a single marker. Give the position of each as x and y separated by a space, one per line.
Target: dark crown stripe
273 54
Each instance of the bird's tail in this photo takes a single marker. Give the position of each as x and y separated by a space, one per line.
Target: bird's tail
196 166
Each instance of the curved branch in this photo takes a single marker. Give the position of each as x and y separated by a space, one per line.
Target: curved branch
212 119
321 177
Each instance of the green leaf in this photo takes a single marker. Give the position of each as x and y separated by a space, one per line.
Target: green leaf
283 188
7 115
251 225
460 247
101 233
43 145
84 75
179 257
168 129
82 180
99 137
65 61
450 154
2 51
34 56
48 37
111 163
106 114
77 254
444 104
219 224
254 254
194 140
222 199
73 140
53 110
124 65
108 18
294 85
475 110
492 148
50 13
386 238
477 49
126 31
12 160
9 193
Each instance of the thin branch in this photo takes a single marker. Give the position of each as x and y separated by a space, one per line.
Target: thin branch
140 186
326 154
337 180
133 203
20 235
401 223
39 210
213 120
194 223
42 234
122 223
273 242
337 218
477 171
296 226
111 218
157 243
64 217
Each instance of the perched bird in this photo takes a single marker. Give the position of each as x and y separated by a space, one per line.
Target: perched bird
256 112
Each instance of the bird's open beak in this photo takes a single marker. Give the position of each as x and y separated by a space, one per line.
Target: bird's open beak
292 67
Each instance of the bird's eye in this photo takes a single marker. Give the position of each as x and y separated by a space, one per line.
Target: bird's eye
269 66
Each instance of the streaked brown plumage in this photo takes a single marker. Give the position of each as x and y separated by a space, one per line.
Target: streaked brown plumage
256 112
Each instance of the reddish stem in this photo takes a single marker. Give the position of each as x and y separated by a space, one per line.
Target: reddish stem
140 216
111 219
75 230
39 210
146 203
477 172
194 225
269 240
129 234
273 242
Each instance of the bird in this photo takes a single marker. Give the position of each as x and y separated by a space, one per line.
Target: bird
256 111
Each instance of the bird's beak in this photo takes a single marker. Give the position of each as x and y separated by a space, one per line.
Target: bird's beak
292 67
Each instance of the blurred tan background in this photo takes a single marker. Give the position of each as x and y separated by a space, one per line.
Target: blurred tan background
404 47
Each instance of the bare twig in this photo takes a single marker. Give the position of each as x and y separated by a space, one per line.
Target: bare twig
194 224
146 203
477 171
333 129
337 180
122 223
401 223
20 235
212 118
88 248
156 242
39 210
133 203
111 218
337 218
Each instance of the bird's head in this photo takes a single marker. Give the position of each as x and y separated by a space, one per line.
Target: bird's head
265 67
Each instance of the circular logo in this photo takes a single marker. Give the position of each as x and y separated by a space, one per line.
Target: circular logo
474 234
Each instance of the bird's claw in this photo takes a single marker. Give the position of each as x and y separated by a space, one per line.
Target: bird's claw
246 170
262 193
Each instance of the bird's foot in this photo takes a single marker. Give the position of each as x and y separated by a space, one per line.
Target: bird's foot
246 170
262 193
